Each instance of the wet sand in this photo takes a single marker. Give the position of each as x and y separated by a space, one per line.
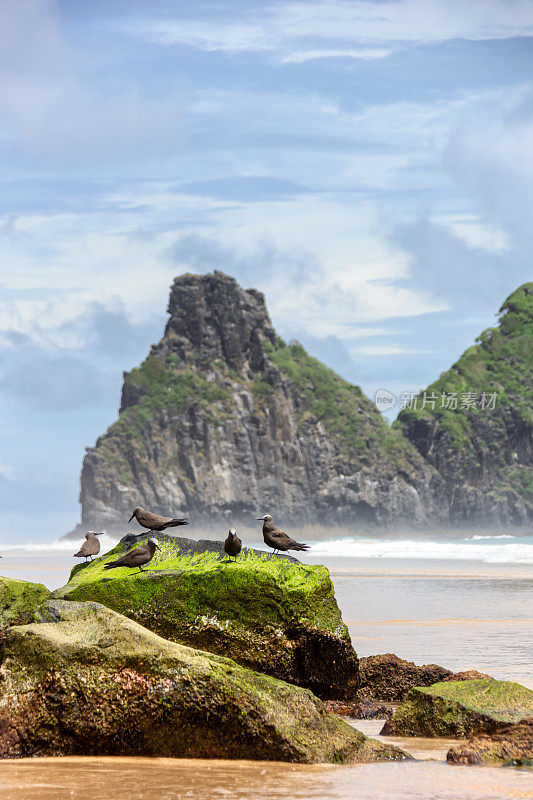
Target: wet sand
183 779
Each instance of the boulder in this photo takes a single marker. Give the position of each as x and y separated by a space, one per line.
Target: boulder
461 709
466 675
18 600
511 745
387 678
85 680
269 613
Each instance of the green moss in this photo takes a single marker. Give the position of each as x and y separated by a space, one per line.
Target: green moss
83 668
504 701
460 708
255 588
266 612
19 599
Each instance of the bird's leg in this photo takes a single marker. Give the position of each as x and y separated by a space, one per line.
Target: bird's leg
91 558
141 569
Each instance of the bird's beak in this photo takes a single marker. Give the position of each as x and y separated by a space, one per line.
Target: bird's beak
260 519
158 547
100 533
130 519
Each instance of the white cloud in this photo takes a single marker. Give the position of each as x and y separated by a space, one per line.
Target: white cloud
6 471
477 235
384 350
366 54
281 26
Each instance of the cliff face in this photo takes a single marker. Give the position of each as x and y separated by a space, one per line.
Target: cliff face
483 448
223 419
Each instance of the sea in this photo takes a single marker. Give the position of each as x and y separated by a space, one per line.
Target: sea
462 602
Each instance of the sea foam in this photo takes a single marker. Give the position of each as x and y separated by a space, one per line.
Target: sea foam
487 549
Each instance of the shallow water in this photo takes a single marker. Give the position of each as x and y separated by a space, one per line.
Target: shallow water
182 779
460 613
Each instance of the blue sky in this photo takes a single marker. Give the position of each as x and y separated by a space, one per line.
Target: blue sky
368 164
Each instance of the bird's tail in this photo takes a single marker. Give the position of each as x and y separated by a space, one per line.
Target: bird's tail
112 565
299 546
178 521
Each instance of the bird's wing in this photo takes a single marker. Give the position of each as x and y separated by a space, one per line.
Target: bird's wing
126 558
137 556
84 549
281 535
153 519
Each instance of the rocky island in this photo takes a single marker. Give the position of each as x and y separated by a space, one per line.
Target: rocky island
224 419
481 442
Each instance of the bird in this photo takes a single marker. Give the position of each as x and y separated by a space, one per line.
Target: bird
137 557
278 539
90 547
232 545
155 522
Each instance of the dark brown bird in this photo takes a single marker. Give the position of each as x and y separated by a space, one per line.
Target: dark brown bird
137 557
232 545
90 547
277 539
155 522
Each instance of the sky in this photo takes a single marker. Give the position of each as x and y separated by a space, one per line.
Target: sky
367 164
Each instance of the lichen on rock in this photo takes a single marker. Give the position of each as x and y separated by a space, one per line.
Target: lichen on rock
269 613
460 709
86 680
19 599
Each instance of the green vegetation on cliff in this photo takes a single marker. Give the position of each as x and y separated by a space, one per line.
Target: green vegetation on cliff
166 385
501 363
342 407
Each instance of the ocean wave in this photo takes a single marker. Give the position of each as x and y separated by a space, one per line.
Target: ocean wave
106 543
490 549
516 551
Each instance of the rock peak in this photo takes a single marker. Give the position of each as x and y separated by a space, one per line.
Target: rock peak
212 317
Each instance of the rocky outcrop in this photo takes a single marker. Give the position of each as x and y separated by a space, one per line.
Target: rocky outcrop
511 745
267 612
460 709
223 419
474 424
387 678
18 600
86 680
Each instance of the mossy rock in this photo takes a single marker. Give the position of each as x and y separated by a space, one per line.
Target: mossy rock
84 680
269 613
18 600
460 709
510 746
